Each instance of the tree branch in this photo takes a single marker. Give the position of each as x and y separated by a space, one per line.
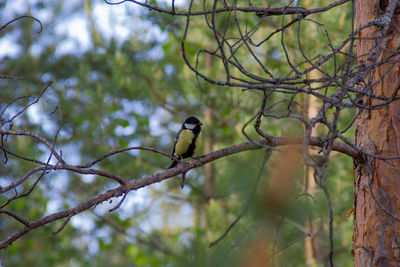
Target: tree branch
262 11
166 174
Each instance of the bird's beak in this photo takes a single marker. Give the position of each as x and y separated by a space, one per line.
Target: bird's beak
200 123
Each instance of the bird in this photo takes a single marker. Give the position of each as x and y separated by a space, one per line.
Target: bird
187 140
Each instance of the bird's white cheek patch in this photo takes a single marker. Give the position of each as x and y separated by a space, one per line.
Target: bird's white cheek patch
190 126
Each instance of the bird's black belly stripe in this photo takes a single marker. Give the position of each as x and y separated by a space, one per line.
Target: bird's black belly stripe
189 153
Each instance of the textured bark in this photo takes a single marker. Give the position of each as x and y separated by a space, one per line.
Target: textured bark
314 106
376 234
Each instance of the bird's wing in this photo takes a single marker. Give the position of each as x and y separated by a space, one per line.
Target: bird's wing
176 141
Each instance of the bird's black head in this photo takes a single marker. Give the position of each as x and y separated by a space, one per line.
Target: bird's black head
192 123
193 120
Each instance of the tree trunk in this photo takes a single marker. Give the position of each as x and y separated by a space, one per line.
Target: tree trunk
209 169
377 234
311 187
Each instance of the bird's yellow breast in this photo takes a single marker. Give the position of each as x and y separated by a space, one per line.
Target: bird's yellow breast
184 141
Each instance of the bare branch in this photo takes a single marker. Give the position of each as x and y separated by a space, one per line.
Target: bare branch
62 226
15 216
119 203
158 177
111 153
261 11
23 17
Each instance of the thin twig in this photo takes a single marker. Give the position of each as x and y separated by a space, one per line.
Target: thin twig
119 203
62 226
246 207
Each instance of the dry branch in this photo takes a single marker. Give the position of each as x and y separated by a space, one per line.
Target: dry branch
158 177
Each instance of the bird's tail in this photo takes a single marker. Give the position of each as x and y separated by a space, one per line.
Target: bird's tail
173 164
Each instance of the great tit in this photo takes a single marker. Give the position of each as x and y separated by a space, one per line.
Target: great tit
187 140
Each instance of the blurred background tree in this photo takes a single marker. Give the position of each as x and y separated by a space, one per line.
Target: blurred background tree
120 81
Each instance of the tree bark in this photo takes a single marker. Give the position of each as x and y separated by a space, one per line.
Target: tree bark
313 106
376 233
